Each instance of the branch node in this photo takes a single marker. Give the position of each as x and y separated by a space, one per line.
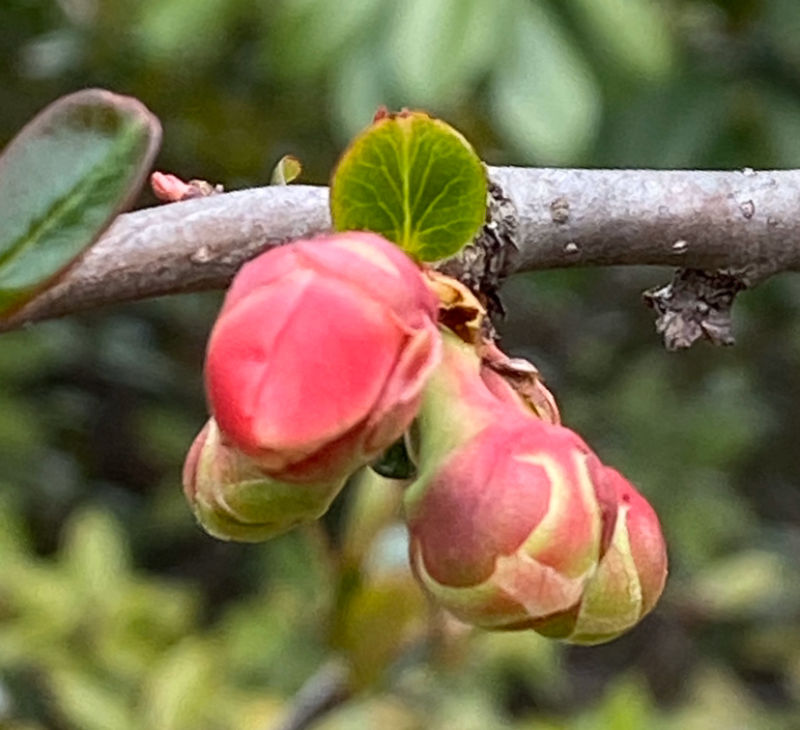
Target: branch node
483 264
695 305
559 210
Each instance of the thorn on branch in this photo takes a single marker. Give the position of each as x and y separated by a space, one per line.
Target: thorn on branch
695 305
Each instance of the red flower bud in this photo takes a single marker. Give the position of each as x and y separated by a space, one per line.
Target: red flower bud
515 523
319 356
234 500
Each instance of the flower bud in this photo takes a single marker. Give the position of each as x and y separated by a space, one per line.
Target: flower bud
318 359
234 500
514 521
507 530
631 573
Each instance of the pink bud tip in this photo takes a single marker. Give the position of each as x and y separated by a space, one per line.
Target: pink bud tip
169 188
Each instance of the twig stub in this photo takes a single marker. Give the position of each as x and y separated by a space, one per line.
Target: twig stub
695 305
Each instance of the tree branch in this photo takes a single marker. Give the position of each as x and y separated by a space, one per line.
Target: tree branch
745 223
324 691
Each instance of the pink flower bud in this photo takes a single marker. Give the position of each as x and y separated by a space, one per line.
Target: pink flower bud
319 356
508 529
515 523
234 500
631 573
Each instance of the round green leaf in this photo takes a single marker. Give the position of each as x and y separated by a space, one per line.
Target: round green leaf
63 179
414 180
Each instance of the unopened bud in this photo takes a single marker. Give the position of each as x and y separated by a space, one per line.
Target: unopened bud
234 500
514 521
318 359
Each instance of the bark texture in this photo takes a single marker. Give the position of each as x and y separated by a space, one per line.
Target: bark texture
744 224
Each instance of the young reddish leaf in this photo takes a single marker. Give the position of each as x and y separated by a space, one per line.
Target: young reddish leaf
414 180
170 188
63 179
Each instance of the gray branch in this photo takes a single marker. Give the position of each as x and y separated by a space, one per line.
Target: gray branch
745 223
323 692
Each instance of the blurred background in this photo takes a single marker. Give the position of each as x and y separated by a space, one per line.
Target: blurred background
117 612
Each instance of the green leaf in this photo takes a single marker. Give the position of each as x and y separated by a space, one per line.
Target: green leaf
95 553
63 179
359 86
626 706
181 687
414 180
181 32
381 619
458 38
544 97
293 28
749 583
87 703
635 34
287 169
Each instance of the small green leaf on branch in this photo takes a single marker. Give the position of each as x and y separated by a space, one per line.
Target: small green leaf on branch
287 170
414 180
63 179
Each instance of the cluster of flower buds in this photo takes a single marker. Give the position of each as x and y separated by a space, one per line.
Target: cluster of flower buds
324 353
515 522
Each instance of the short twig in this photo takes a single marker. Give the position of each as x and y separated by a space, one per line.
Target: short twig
324 691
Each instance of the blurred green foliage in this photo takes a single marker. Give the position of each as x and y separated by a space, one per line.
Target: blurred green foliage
117 612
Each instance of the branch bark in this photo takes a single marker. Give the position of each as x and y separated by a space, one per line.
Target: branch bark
744 223
323 692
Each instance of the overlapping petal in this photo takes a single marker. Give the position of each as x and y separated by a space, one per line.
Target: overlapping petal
320 354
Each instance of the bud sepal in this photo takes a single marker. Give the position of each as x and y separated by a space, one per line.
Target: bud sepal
233 499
